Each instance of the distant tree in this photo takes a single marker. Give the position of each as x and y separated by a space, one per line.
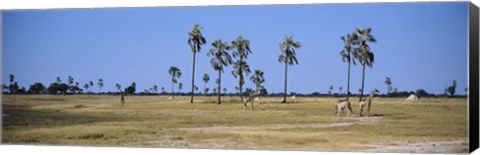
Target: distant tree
37 88
118 86
22 90
12 79
365 54
55 88
163 89
100 85
220 59
155 88
340 89
131 89
14 87
214 90
395 90
421 93
258 78
388 82
4 88
175 73
205 79
196 88
330 89
241 49
466 90
263 92
70 81
288 56
195 40
90 83
206 90
75 88
225 90
249 90
59 80
180 86
452 88
86 86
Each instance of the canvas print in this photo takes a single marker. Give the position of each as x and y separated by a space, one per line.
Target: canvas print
360 77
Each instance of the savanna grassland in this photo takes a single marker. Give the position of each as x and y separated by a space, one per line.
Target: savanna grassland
427 125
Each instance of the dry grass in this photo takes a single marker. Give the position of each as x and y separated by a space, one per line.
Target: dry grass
303 124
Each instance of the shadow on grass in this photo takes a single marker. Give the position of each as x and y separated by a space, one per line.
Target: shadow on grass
23 115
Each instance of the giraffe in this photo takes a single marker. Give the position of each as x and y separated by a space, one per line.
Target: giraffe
250 98
122 99
341 105
367 102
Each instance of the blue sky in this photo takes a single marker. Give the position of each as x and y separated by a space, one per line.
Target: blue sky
420 45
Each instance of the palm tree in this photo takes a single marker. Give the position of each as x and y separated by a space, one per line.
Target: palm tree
365 54
180 87
388 82
220 58
258 79
118 86
346 54
205 79
240 67
100 85
330 89
86 86
58 80
288 56
175 73
90 84
195 40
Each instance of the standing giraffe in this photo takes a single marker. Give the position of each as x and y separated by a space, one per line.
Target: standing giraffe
341 105
250 98
367 102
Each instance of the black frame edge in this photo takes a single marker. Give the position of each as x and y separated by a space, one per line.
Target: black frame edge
473 94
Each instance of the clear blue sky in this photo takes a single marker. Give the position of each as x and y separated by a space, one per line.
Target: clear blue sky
420 45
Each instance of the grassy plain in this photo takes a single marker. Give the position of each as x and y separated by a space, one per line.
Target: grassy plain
306 123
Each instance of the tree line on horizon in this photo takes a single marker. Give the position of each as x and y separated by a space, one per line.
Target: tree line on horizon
58 87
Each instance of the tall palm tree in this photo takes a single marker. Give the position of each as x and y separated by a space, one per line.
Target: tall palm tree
347 54
220 58
365 54
288 56
205 79
195 40
175 73
240 66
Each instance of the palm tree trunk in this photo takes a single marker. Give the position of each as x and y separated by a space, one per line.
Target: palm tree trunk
285 85
173 84
219 86
348 83
240 87
193 77
363 82
205 88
